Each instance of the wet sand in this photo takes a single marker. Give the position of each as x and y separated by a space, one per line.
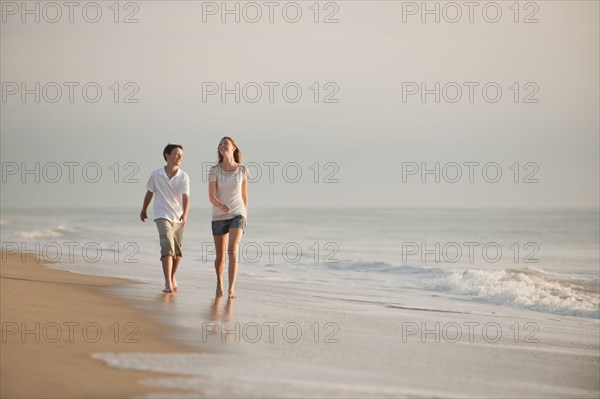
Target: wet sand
53 320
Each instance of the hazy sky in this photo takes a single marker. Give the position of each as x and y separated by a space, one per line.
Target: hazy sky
367 148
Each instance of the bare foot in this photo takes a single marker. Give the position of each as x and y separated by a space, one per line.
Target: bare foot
175 286
167 289
232 295
219 291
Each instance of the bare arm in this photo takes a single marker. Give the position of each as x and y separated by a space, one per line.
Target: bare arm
245 192
147 200
185 198
212 196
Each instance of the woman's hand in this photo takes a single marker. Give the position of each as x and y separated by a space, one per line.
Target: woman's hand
224 208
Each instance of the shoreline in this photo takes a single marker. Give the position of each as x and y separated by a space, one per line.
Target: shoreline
338 346
56 318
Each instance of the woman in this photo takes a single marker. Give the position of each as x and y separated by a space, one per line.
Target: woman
228 192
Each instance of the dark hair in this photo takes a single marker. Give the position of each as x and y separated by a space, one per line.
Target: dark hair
169 148
237 153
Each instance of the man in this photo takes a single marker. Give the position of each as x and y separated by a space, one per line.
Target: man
172 188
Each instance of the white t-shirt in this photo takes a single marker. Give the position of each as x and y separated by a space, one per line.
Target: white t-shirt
168 203
229 191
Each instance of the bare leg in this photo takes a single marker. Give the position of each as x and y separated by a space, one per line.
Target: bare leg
220 248
235 236
167 265
173 271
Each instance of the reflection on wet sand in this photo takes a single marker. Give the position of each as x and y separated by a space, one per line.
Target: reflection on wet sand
215 309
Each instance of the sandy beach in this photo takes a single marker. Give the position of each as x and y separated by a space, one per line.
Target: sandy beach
53 320
278 340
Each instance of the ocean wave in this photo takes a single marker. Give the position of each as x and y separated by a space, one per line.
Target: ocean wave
381 267
529 288
59 231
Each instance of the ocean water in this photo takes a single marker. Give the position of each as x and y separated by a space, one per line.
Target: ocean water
346 302
541 260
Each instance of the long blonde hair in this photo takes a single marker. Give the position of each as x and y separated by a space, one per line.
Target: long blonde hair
237 153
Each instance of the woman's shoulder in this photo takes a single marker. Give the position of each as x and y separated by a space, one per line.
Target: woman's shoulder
244 169
213 171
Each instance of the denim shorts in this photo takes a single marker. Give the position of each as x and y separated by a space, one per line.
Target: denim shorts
220 227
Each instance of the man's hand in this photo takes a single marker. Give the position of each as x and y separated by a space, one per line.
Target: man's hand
183 219
147 199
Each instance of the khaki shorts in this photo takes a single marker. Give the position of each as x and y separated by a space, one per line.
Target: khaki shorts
171 237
